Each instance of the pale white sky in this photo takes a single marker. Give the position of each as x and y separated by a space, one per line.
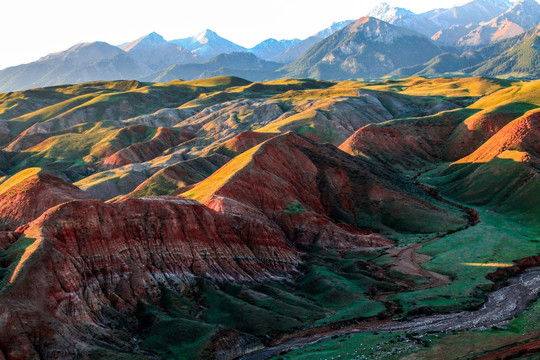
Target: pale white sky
33 28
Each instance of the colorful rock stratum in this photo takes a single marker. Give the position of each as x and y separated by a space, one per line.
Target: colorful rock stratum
289 219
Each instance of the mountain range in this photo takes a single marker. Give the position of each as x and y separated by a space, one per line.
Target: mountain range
365 48
208 44
518 56
343 50
404 18
471 12
156 53
239 64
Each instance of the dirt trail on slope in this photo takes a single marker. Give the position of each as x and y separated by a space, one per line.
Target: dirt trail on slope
409 261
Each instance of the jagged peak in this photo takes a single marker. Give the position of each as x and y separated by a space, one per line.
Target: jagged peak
503 4
384 11
270 41
207 33
380 31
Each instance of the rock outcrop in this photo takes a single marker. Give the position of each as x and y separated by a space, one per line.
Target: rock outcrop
84 257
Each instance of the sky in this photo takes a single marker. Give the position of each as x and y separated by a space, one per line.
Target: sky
34 28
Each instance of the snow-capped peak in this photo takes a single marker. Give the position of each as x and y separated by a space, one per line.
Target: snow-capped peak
335 27
205 35
388 13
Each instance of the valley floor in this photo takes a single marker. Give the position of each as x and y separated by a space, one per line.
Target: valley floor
501 306
507 325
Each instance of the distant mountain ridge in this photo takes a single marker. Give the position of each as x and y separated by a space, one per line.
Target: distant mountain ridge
404 18
299 49
208 44
521 59
80 63
446 40
241 64
157 53
516 56
151 56
366 48
474 11
271 49
522 16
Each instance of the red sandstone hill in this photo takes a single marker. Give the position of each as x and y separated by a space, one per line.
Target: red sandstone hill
145 151
242 142
172 179
175 178
495 159
29 193
407 143
521 135
319 194
82 261
75 278
84 257
474 131
7 238
502 173
448 136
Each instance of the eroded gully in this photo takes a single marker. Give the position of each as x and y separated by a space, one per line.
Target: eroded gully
501 306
